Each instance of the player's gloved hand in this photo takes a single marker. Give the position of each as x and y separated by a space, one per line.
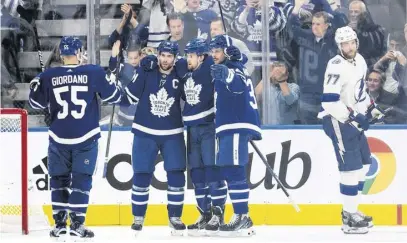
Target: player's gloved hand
181 67
112 64
149 63
220 72
375 113
361 119
232 53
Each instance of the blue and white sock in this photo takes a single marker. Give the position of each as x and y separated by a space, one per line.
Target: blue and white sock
60 194
79 198
175 193
140 193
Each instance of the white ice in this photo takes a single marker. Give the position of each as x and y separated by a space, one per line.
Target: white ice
272 234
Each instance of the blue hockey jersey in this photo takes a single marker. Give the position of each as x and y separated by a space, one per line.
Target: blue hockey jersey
198 92
158 96
203 19
251 32
70 93
236 107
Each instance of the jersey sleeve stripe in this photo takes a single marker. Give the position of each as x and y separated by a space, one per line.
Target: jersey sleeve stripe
112 96
34 104
132 96
71 141
330 97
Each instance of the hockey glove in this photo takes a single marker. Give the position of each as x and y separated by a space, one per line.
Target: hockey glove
361 119
112 64
221 73
149 63
376 114
232 53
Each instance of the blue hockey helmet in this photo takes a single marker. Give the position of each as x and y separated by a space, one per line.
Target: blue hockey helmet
168 46
220 41
198 46
69 45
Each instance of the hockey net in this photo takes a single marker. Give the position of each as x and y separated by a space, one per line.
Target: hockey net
18 212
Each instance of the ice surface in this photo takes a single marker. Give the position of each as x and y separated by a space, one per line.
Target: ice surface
273 234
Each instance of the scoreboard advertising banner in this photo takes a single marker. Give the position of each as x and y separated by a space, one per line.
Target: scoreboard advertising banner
303 159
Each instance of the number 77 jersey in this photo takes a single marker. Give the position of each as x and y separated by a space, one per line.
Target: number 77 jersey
235 104
70 94
344 88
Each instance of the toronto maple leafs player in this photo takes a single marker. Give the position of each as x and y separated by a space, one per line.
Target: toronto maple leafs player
158 127
237 122
347 111
70 94
198 116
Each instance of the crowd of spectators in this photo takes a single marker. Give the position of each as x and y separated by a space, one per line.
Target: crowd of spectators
301 36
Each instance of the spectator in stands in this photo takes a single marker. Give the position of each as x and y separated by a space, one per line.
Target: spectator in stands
176 23
394 104
229 9
287 94
372 40
203 18
129 29
159 9
316 47
247 25
217 29
390 60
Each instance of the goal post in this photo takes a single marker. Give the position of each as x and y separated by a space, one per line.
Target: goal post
14 127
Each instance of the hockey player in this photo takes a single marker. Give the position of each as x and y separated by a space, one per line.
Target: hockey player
70 93
198 115
237 122
157 127
345 118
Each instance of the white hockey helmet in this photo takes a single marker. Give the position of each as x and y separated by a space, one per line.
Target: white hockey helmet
345 34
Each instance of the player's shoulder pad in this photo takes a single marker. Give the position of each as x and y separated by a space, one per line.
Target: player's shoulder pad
336 60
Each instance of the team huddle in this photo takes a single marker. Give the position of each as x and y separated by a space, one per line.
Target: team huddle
220 115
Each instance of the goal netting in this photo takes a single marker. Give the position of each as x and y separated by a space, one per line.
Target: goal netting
19 211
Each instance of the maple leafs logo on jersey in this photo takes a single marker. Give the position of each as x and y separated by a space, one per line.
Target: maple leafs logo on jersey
202 35
255 32
161 104
192 91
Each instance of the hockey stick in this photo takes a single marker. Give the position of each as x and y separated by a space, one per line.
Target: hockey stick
223 22
109 134
275 176
25 14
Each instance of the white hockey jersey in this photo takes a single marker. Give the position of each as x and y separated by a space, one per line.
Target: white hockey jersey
344 88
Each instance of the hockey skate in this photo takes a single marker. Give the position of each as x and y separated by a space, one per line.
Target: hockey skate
239 225
198 228
177 227
58 233
353 223
137 225
367 218
78 231
212 228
